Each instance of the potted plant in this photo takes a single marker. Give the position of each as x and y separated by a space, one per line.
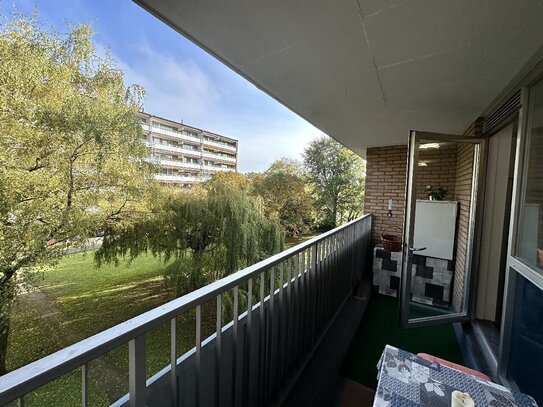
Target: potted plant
436 193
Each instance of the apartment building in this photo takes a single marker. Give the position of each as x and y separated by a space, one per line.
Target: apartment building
187 155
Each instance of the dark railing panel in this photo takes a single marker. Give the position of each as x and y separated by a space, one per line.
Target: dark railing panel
292 299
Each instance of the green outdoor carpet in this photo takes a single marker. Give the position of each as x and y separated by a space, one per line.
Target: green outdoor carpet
380 327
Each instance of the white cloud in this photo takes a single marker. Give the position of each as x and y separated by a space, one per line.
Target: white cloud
217 100
270 144
175 88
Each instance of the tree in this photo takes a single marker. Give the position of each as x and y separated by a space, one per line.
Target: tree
285 196
287 165
337 178
233 179
210 231
72 157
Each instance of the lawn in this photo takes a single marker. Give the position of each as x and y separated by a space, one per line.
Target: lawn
78 300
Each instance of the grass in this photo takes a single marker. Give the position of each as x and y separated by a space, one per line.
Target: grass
81 300
379 327
91 299
78 300
291 241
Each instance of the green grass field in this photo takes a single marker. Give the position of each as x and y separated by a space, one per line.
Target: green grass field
78 300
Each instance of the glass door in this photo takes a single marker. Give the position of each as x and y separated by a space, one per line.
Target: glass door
521 343
440 212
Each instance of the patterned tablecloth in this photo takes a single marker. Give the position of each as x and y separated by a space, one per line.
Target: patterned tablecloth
407 380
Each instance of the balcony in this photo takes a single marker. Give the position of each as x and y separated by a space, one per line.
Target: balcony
174 149
216 168
172 133
229 159
293 298
219 145
176 164
176 178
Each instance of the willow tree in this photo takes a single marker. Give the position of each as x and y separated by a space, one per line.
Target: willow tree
209 231
72 157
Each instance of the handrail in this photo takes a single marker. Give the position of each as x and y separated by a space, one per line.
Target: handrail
28 378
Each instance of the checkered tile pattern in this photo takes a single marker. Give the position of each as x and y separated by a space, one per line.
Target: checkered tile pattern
431 277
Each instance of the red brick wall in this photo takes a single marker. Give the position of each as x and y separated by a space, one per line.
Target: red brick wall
385 179
464 174
440 170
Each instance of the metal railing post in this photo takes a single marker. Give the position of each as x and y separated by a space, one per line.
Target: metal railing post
248 380
198 355
218 351
262 338
313 284
137 371
84 385
173 360
235 344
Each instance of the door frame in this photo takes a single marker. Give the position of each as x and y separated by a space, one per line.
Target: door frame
515 267
474 229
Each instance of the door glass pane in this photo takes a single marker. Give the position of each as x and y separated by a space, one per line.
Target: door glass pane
526 352
530 239
441 239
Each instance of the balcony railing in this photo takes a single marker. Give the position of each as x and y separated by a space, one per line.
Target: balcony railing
220 145
229 159
172 133
175 149
176 178
186 137
175 163
292 299
216 168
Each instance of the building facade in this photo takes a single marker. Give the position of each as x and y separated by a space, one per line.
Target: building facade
187 155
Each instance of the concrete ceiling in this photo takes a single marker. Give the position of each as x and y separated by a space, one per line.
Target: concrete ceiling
368 71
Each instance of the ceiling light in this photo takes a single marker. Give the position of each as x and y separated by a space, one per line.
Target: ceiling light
426 146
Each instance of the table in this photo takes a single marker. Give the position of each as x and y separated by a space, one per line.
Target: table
406 380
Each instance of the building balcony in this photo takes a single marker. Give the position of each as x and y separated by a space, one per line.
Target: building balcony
222 146
229 159
216 168
292 300
177 178
176 164
174 149
172 133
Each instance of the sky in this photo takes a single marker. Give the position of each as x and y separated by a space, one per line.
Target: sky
182 81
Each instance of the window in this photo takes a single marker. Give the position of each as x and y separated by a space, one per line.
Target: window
530 239
526 355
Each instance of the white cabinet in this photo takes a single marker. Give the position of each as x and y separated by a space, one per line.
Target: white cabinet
435 227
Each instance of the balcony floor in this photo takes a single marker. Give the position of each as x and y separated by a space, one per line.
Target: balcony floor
379 327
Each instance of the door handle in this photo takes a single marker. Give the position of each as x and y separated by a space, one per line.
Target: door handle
417 249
